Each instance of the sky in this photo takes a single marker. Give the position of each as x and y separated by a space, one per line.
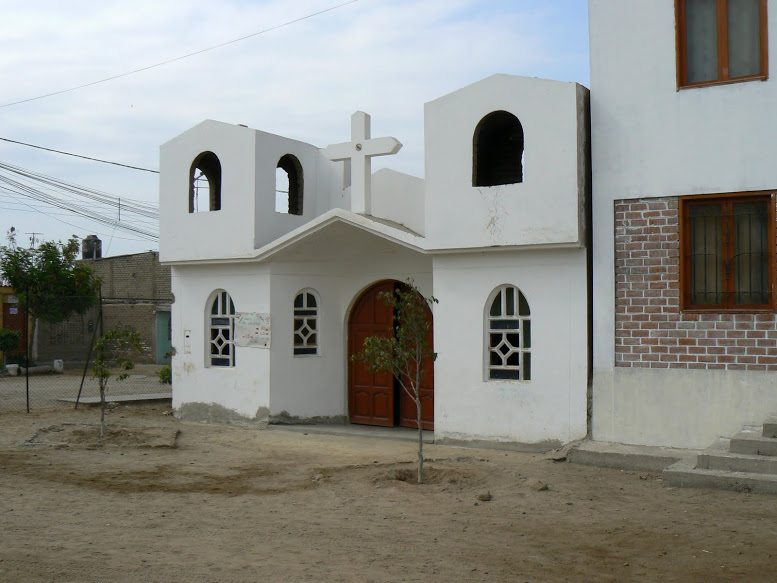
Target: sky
302 81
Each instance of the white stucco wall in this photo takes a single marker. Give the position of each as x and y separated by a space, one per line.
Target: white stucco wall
318 185
459 215
399 198
551 407
679 408
243 389
649 139
248 168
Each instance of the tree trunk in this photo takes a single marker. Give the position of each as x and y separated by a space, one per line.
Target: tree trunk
420 441
102 412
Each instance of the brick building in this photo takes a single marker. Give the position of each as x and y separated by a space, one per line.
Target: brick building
135 294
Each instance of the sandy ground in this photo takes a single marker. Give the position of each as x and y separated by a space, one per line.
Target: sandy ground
161 500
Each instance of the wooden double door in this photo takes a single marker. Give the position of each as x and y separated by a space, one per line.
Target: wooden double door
377 398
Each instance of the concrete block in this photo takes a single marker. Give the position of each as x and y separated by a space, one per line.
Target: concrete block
755 464
753 444
770 427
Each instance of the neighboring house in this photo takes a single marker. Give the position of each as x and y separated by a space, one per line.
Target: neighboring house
684 181
675 306
135 295
273 297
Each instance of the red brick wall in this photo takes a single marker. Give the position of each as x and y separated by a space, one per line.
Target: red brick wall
650 329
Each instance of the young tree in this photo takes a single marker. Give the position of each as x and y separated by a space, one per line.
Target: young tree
113 348
47 278
403 354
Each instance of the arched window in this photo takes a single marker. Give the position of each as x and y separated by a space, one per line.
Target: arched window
497 150
288 186
205 183
221 330
306 323
508 335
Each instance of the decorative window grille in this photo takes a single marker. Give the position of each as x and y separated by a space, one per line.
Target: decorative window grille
509 335
222 330
305 323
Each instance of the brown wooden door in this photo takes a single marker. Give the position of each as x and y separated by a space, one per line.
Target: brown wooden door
378 398
370 395
407 409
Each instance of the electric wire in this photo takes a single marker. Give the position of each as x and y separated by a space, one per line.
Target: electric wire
22 186
169 61
79 156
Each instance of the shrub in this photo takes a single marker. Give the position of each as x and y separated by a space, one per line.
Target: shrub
165 374
9 340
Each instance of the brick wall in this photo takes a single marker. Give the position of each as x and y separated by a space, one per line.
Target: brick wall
650 329
134 277
136 317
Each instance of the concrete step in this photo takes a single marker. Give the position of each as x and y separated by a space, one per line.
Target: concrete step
627 457
736 462
770 427
683 474
751 443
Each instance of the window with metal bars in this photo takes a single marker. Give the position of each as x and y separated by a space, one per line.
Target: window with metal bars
306 323
508 342
221 327
720 41
727 252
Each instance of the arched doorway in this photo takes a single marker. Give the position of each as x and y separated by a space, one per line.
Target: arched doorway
377 398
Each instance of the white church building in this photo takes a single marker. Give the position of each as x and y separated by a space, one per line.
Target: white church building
605 266
272 300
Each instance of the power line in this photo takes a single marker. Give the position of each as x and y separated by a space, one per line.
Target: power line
79 156
99 207
242 38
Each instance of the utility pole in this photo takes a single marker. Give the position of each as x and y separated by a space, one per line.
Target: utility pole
33 239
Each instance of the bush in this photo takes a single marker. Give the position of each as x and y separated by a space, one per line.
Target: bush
165 374
9 340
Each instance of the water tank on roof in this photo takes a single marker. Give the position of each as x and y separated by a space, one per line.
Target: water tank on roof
91 247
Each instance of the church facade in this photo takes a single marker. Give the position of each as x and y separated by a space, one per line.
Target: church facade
278 250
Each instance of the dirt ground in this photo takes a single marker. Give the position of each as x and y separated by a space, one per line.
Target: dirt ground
161 500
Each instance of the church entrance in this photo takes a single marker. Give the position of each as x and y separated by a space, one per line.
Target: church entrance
378 398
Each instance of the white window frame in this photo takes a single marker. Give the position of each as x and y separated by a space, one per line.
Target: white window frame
501 329
220 330
306 328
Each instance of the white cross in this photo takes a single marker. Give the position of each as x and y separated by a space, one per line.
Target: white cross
358 154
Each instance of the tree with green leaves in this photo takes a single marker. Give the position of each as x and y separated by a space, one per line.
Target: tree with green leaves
47 278
403 353
113 349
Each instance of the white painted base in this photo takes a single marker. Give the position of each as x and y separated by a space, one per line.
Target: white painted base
678 408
